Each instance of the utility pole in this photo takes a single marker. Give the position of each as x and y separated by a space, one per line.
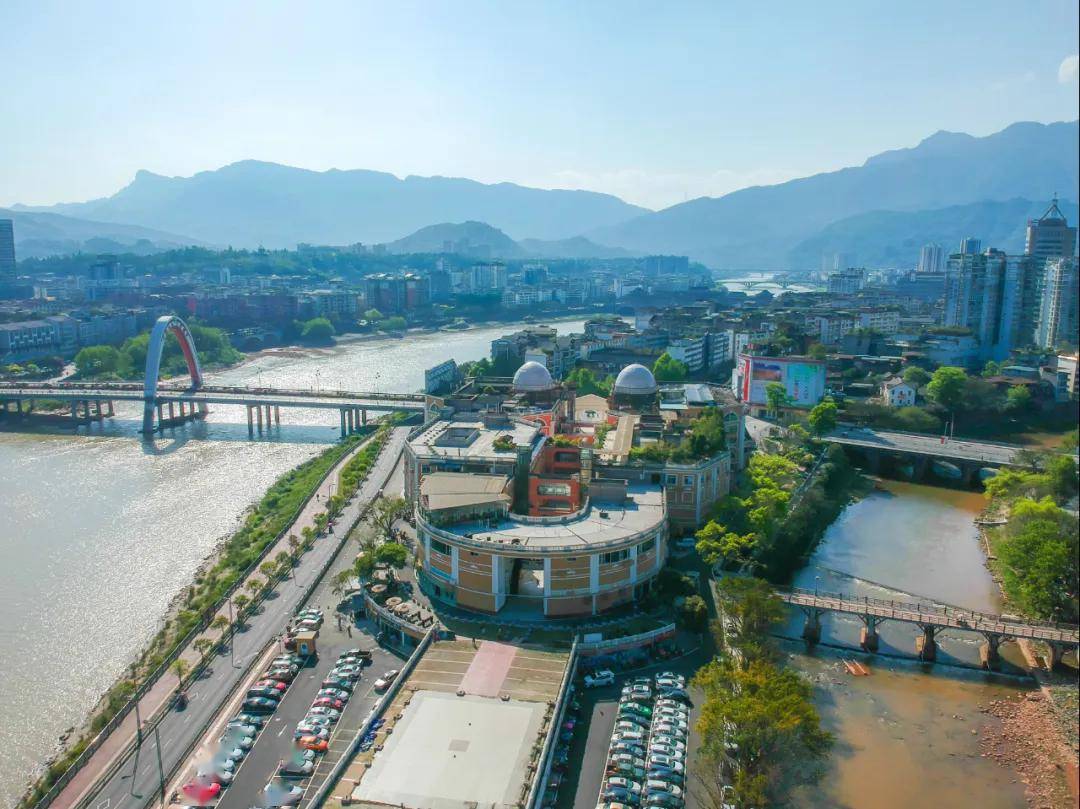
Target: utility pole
232 635
161 769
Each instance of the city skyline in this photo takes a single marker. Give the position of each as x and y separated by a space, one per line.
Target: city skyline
654 109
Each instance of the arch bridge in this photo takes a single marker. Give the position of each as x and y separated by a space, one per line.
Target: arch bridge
167 404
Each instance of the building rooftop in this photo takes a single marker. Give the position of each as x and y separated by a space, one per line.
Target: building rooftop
440 490
472 439
600 523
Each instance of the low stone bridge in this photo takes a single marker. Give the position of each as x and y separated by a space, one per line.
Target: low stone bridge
932 619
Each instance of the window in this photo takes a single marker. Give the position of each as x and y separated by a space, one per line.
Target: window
672 480
688 480
614 556
558 489
647 545
440 547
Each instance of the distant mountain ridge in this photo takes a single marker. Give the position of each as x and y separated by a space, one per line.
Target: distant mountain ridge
38 235
760 227
893 238
252 203
481 239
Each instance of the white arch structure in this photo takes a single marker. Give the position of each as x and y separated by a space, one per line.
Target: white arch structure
164 325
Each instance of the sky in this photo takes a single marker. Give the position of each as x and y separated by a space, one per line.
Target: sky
654 102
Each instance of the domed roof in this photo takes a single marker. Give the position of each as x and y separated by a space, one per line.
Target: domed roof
532 376
635 380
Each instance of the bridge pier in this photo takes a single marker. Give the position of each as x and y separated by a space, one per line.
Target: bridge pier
341 413
868 638
277 415
172 413
363 416
258 415
989 653
812 628
251 424
926 645
1057 652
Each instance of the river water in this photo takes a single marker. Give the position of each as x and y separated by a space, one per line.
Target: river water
102 529
907 734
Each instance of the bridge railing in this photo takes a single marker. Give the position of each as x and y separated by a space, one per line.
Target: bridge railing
929 608
173 387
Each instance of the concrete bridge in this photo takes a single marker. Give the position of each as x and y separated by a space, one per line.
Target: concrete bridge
932 619
921 449
167 405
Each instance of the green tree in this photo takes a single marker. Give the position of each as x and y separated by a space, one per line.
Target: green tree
946 386
364 566
776 397
752 604
97 360
694 614
373 315
1018 399
392 553
587 383
823 418
202 645
180 668
668 369
340 581
386 511
318 330
817 351
916 377
1061 472
715 543
240 601
396 323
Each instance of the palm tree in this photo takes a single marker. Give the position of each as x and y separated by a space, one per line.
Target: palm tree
240 601
180 668
268 569
308 533
220 623
340 579
255 585
294 544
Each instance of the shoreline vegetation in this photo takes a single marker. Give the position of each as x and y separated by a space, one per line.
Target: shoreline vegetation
235 559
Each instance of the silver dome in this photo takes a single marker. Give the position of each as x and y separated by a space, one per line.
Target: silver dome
635 380
532 376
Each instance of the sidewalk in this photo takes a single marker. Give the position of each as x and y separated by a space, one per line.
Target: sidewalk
113 750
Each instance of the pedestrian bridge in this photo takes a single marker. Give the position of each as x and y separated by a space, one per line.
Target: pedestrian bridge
92 401
932 619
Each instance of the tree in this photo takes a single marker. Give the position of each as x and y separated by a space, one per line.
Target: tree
294 545
386 511
364 566
392 553
668 369
395 323
1061 471
694 614
1018 399
254 585
587 383
308 533
915 376
946 386
715 543
817 351
318 330
340 581
823 418
776 397
241 601
752 604
180 668
220 623
373 315
97 360
269 569
202 645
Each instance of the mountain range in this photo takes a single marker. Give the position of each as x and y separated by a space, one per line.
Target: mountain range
38 235
948 186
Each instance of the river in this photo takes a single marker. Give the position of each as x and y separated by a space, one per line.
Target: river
103 529
907 734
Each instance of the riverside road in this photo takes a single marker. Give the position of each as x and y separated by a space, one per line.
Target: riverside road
137 781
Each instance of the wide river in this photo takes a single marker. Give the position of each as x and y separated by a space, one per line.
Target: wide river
908 734
102 529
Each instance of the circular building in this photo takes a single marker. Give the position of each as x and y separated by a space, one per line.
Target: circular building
532 377
635 386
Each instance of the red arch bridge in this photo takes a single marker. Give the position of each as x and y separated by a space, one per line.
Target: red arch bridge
166 405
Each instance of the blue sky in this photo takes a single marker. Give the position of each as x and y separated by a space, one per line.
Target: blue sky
655 102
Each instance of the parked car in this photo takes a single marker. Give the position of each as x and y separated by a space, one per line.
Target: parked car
676 693
328 702
338 682
671 727
600 678
384 682
619 782
304 729
656 787
313 743
626 758
270 683
259 705
323 710
240 728
262 691
668 745
249 719
660 760
201 791
278 794
333 693
628 735
636 750
296 769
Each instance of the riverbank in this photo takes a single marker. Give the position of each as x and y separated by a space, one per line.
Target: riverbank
293 503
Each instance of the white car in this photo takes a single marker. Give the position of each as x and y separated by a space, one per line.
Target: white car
384 682
599 678
667 714
321 710
634 735
654 787
679 731
668 745
619 782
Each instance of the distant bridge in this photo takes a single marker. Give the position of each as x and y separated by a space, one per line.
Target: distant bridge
94 401
932 619
920 448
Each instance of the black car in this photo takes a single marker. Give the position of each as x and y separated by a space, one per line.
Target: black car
259 705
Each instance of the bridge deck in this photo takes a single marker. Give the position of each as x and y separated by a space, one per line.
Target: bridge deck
933 615
928 445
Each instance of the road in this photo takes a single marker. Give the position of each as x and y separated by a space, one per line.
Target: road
929 445
138 781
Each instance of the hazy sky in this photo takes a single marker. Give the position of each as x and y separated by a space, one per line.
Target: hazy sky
655 102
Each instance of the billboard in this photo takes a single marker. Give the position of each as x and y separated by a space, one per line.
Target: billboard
802 378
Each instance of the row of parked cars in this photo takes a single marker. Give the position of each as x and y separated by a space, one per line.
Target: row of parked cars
312 733
646 764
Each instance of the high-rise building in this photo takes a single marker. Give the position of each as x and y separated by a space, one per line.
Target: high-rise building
7 251
970 246
996 297
931 258
1050 236
1059 320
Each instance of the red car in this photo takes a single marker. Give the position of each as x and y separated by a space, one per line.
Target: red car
201 791
328 702
312 743
277 684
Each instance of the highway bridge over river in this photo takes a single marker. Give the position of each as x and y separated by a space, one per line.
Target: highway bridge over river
932 619
167 405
